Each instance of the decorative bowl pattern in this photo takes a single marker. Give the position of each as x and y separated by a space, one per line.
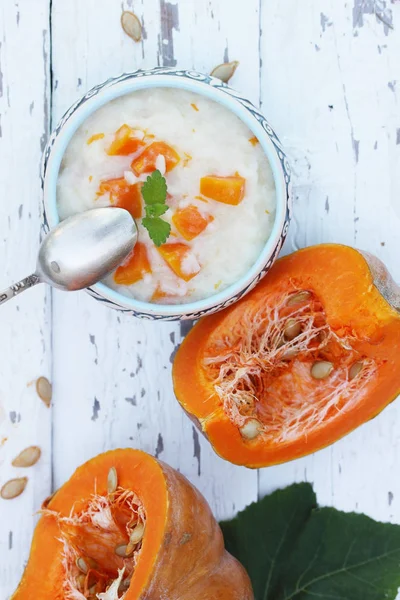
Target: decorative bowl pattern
214 89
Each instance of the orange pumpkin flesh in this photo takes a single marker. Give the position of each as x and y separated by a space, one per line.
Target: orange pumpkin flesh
125 142
175 255
146 162
228 190
135 267
190 222
252 390
123 195
181 555
94 138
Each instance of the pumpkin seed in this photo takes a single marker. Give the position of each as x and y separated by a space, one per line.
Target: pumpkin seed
44 390
27 457
225 71
290 353
81 564
355 369
131 25
122 550
112 480
92 563
298 298
250 429
137 534
292 329
13 488
321 369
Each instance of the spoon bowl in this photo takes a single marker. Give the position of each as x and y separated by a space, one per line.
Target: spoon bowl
81 251
86 247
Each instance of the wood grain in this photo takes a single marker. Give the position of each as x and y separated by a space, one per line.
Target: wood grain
112 373
327 75
334 103
25 349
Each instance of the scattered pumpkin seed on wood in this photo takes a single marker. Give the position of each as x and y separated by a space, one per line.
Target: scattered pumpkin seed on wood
131 25
13 488
225 71
28 457
44 390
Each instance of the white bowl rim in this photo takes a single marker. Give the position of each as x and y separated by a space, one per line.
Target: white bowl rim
132 82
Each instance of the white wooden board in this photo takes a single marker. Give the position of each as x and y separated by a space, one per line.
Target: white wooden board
25 349
328 76
330 84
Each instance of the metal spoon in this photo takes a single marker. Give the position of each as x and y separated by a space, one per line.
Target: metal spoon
81 250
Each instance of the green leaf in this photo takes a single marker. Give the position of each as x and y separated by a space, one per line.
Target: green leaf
155 210
343 556
154 189
154 192
293 551
262 535
158 229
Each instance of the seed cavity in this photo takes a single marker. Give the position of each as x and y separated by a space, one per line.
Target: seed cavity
292 329
250 429
225 71
131 25
13 488
112 480
298 298
321 369
44 390
355 369
28 457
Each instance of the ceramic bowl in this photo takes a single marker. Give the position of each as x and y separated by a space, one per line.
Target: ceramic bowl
214 89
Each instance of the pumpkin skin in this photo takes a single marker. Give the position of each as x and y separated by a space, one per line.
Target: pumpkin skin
359 304
182 555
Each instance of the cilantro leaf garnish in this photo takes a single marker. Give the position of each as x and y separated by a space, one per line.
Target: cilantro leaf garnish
156 210
154 192
158 229
154 189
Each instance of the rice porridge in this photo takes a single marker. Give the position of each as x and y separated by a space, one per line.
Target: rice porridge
194 178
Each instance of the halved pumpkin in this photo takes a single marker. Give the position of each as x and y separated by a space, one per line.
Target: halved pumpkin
128 527
306 357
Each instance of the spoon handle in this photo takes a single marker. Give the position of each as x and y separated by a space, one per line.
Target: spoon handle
19 287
